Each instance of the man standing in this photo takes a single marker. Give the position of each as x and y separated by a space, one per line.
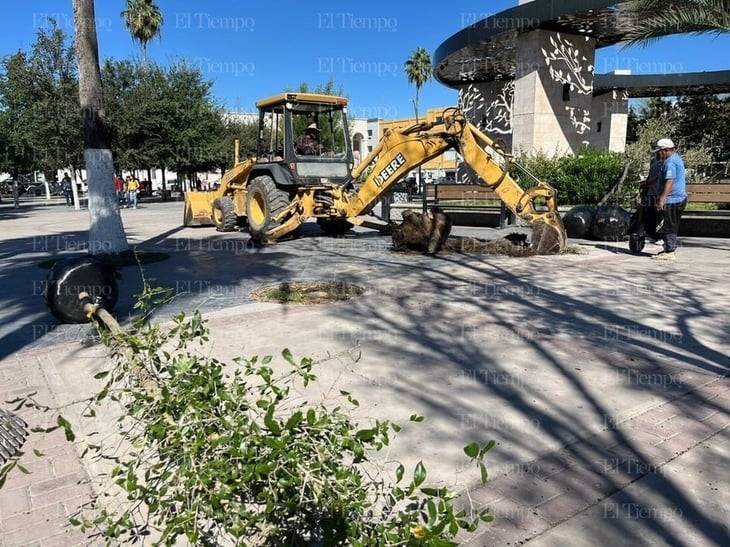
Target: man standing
671 198
119 187
67 189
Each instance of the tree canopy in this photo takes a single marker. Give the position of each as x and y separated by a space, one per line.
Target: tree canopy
144 20
39 110
418 70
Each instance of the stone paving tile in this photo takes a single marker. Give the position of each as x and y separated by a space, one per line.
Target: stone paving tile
563 484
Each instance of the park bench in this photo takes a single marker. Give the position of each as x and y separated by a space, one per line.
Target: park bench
707 223
709 192
453 196
461 194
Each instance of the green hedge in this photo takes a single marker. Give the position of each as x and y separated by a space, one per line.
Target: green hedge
581 179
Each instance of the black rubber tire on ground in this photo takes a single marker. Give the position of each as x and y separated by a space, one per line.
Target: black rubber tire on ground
224 214
67 278
264 201
334 227
636 243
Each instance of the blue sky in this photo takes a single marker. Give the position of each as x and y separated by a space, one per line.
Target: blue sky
255 49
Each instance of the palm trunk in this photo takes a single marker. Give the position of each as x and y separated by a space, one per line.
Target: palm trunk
106 231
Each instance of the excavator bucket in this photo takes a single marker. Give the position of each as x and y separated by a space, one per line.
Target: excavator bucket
548 235
198 208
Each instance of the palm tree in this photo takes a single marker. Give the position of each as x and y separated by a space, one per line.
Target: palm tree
106 231
657 18
418 70
144 21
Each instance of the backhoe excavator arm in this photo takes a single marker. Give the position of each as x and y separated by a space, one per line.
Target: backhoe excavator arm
398 152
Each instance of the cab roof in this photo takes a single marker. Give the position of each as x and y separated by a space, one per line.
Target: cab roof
300 97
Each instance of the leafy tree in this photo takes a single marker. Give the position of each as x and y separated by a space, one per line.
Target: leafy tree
657 18
192 120
697 124
418 71
166 118
106 231
327 88
55 79
144 21
16 120
246 131
703 122
39 106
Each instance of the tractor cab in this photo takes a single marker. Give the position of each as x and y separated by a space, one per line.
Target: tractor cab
307 135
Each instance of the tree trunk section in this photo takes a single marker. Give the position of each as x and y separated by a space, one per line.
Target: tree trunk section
106 231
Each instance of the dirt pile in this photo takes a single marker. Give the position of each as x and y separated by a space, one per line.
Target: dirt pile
424 233
429 234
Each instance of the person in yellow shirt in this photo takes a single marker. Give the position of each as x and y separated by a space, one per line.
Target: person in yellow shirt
132 189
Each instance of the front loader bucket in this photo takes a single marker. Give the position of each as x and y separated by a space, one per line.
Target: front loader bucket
198 209
548 235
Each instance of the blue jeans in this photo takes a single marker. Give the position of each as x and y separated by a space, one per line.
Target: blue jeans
132 199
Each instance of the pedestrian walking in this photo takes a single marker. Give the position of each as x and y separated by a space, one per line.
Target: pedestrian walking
67 189
132 189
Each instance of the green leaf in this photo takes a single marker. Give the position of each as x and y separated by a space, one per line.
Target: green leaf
432 512
64 423
416 418
38 453
100 375
399 472
471 450
270 422
419 474
488 446
294 420
288 357
483 472
365 434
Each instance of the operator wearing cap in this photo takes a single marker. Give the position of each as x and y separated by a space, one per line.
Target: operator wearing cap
671 197
308 144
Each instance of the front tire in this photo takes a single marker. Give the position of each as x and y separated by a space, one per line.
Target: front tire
224 214
264 202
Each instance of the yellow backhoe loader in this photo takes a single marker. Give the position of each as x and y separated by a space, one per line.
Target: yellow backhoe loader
284 185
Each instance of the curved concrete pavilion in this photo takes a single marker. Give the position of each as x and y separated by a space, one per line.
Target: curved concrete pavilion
527 76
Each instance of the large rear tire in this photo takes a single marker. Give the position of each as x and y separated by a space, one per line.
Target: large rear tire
224 214
264 202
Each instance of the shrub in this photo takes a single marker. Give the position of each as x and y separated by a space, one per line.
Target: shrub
582 179
232 453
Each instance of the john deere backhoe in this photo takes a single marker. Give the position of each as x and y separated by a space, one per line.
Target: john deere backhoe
282 187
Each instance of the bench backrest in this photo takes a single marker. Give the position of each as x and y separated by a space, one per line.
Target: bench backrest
459 192
709 192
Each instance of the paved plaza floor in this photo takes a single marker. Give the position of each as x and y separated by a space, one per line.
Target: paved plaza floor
600 374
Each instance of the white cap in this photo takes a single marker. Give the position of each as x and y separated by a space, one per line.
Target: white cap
663 144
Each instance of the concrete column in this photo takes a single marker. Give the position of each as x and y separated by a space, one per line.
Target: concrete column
553 92
610 121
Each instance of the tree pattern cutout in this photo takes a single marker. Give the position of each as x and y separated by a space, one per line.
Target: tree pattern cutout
568 65
581 125
495 117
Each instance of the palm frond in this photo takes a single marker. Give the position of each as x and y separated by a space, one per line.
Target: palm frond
655 19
